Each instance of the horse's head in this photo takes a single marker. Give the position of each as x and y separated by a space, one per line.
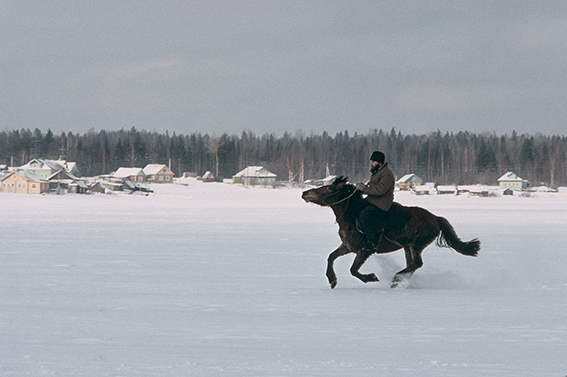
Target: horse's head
327 196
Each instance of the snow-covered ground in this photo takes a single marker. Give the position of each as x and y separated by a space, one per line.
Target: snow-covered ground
213 279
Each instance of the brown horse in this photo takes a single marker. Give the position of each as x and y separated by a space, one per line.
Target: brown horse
414 228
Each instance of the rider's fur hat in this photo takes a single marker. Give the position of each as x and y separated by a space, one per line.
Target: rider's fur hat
378 157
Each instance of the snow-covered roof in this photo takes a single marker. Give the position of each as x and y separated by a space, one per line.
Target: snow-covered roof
128 172
154 168
65 173
446 188
42 164
29 175
510 176
255 171
69 166
409 178
421 188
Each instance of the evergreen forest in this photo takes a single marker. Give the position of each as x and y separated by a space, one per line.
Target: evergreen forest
444 158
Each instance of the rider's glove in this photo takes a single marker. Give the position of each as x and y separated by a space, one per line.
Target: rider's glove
360 186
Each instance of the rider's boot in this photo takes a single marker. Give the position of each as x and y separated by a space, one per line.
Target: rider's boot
373 246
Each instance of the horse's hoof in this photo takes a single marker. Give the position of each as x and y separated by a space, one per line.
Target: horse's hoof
333 284
399 282
373 278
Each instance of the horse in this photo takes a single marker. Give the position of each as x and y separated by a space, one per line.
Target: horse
413 229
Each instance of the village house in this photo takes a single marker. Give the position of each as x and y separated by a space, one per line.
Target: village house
511 181
134 174
24 182
63 180
208 177
254 176
46 168
71 167
446 189
408 182
158 173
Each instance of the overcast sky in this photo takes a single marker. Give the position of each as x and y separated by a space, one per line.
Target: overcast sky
275 66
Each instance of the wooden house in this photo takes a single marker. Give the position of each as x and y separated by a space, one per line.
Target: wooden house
42 167
158 173
134 174
442 190
408 182
63 180
24 182
254 176
208 177
512 181
71 167
46 168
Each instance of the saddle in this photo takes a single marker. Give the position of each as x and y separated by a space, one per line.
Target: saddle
396 217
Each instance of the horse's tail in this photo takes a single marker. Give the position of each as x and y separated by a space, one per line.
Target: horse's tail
448 238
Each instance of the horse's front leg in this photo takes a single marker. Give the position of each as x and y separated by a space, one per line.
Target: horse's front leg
340 251
358 262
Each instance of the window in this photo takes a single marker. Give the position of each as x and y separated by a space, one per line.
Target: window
33 186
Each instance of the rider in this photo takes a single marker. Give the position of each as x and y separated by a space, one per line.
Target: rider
380 191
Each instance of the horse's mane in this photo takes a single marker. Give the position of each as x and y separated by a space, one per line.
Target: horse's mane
356 203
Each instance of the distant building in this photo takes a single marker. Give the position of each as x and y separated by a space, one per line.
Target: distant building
134 174
442 190
421 190
208 177
24 182
71 167
408 181
63 180
511 181
46 168
158 173
254 176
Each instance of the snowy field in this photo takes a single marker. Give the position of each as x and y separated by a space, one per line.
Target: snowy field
212 279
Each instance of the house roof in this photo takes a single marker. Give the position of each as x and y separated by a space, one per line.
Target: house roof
447 188
43 164
128 172
510 176
154 168
62 173
409 178
69 166
27 175
255 171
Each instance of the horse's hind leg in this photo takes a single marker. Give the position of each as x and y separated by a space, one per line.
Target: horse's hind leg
358 262
413 262
340 251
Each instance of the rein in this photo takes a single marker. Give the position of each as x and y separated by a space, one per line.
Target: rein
342 200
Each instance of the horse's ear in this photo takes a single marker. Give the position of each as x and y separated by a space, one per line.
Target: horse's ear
340 181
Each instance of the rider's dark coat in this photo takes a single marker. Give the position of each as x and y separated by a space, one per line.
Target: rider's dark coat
380 188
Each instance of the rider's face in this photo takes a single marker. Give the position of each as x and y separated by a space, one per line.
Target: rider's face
374 164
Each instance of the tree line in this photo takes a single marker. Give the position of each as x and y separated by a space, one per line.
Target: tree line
444 158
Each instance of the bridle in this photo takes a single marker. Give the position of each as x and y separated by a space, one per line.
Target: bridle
342 200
